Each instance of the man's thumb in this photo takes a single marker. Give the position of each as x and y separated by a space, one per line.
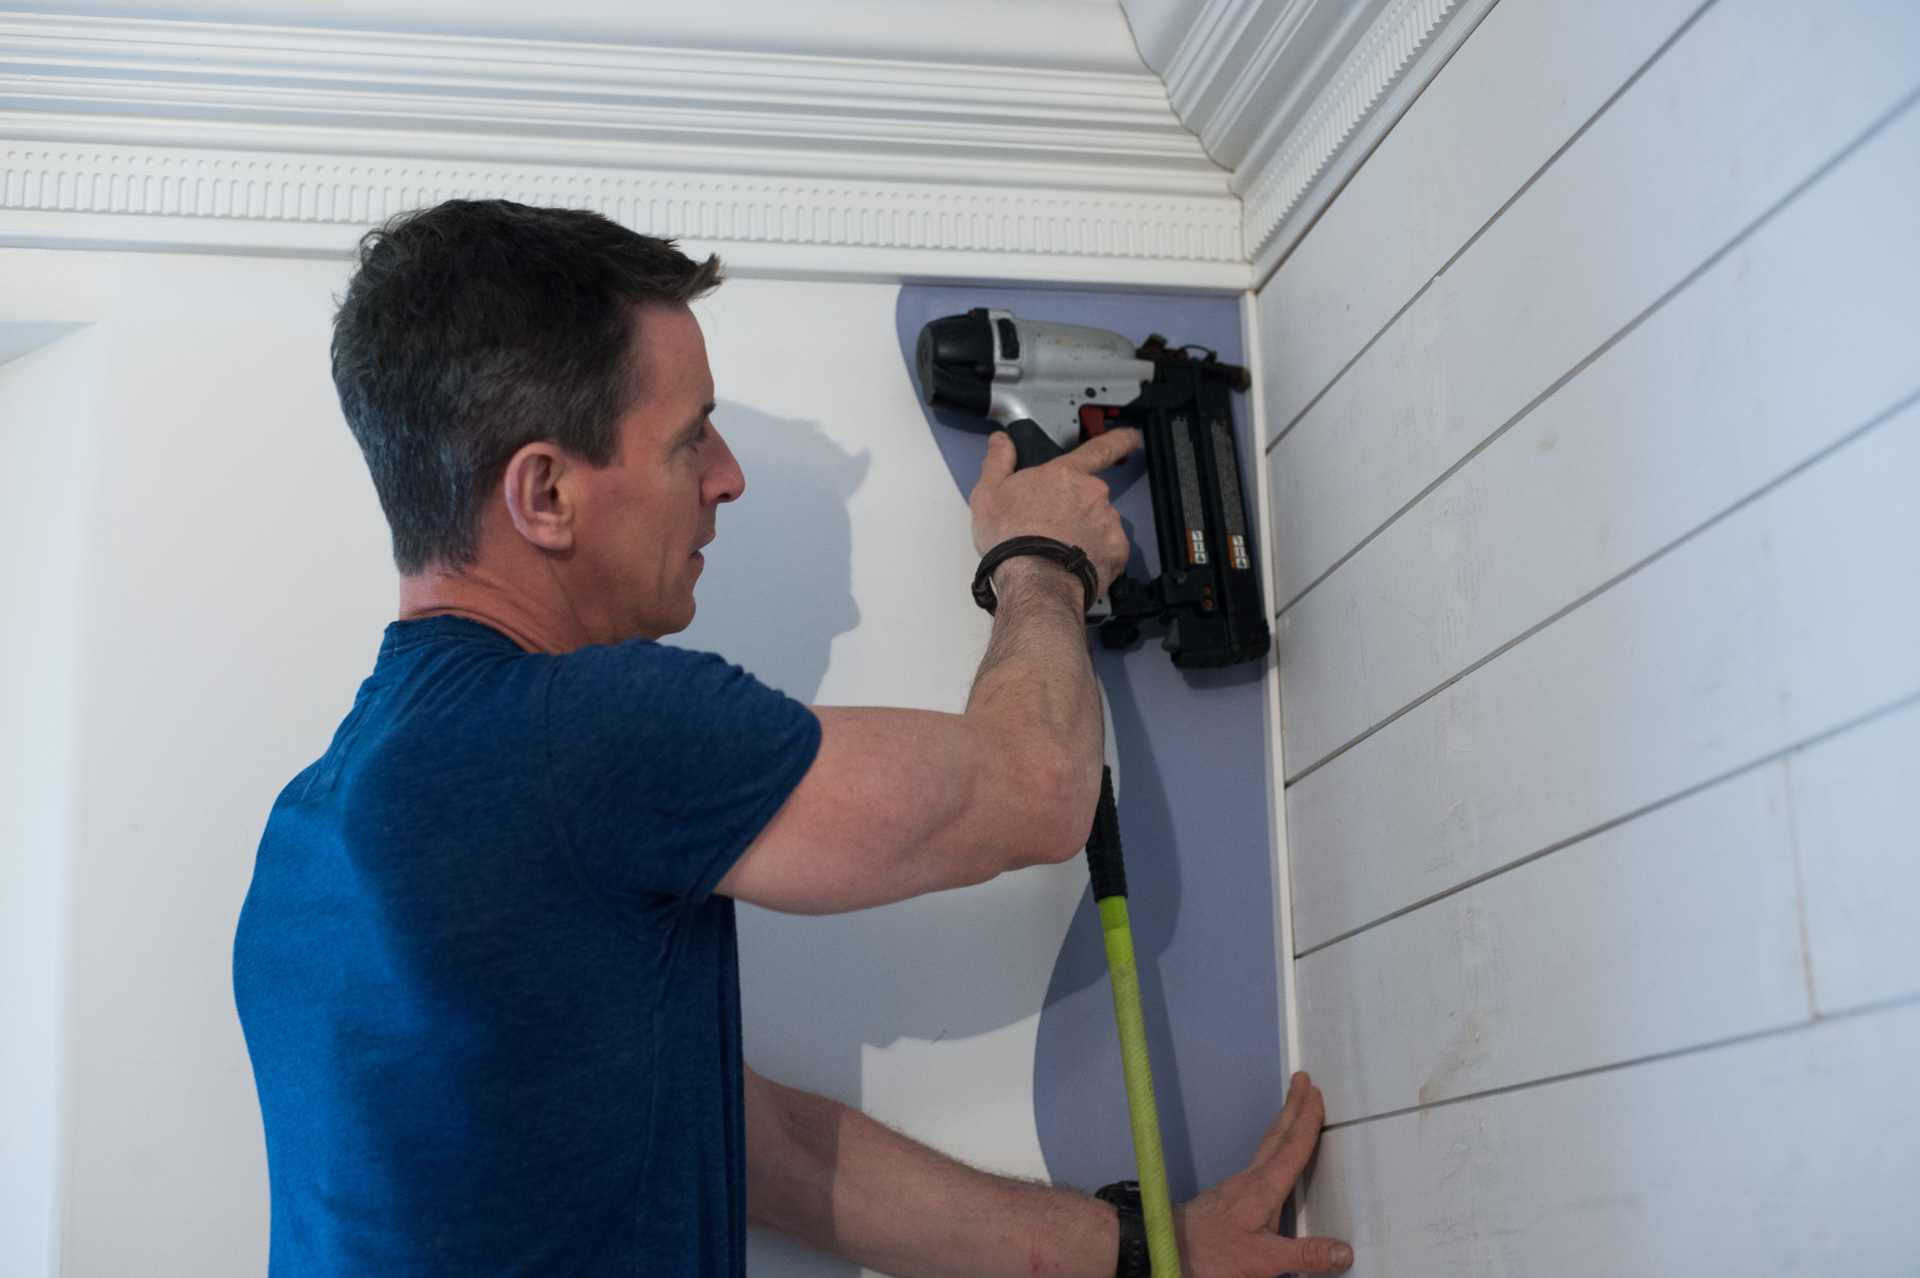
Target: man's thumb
1316 1255
1001 457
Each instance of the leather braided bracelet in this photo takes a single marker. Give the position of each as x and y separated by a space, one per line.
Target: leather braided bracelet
1072 558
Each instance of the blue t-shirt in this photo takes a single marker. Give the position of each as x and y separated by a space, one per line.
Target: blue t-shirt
493 1009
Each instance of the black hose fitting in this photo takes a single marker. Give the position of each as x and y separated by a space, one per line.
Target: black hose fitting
1104 864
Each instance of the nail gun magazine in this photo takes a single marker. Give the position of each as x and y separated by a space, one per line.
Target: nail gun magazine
1051 386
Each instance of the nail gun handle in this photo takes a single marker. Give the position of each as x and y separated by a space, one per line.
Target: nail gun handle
1031 445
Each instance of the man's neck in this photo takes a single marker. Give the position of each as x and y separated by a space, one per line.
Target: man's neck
539 619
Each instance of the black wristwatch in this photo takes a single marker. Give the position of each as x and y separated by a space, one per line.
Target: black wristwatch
1133 1262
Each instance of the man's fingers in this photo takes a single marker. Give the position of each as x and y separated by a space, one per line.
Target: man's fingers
1103 450
1296 1147
1289 1115
1279 1167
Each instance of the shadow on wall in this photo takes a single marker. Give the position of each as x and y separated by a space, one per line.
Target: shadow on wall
820 992
778 585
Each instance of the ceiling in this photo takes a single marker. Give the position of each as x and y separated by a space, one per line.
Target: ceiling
1078 35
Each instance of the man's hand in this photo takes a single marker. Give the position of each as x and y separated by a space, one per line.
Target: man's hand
1062 500
1231 1231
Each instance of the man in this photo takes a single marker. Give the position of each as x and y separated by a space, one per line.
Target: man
486 968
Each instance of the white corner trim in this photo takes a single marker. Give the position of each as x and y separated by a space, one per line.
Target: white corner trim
1281 861
1289 178
209 200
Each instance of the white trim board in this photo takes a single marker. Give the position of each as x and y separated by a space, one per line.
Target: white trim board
1271 685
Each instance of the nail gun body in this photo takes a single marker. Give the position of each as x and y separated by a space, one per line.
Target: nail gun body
1050 386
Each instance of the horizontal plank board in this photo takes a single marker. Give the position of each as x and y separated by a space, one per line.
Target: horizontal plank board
1796 614
1677 929
1747 104
1856 814
1792 1154
1804 333
1448 165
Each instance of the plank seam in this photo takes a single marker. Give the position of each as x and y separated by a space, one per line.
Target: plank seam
1526 410
1495 216
1792 472
1778 1031
1895 706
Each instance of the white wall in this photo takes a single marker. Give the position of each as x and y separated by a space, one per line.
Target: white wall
1594 420
200 577
46 420
223 598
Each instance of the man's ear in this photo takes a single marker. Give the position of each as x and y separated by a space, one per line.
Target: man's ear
540 498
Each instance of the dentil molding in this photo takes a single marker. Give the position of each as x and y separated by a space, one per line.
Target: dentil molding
212 136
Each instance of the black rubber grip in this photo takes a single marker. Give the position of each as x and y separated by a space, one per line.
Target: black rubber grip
1031 445
1104 864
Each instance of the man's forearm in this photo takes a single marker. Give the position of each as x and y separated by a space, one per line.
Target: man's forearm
1035 698
834 1179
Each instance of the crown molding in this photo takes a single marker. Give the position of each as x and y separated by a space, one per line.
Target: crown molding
1293 95
1289 177
264 139
242 85
1244 68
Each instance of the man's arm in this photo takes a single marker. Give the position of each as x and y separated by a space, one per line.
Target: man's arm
834 1179
901 802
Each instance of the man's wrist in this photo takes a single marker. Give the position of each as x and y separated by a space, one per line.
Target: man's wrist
1072 558
1042 579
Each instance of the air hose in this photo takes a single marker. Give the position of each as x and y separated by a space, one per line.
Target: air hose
1109 874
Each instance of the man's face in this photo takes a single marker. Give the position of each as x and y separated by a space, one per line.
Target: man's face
643 519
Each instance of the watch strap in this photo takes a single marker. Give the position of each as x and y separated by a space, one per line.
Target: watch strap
1133 1260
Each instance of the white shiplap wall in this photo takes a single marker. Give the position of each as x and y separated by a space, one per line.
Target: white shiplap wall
1593 404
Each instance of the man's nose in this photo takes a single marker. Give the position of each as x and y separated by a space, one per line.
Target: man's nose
725 480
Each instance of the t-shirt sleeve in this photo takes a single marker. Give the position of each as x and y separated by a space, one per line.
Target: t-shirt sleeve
665 764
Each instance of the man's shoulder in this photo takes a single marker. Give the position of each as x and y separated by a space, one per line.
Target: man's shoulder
643 656
641 673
